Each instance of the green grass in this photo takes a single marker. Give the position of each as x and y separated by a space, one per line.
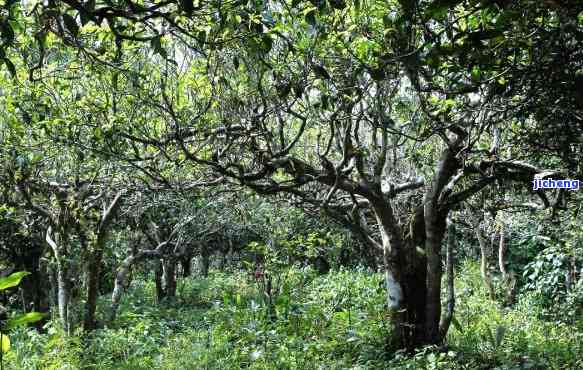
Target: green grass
318 322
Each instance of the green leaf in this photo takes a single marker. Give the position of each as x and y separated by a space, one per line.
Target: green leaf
90 6
71 24
4 343
12 280
24 319
437 11
476 74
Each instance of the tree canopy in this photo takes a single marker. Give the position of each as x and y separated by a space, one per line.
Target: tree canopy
151 132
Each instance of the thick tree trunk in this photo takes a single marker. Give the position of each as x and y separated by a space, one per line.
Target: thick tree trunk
435 215
95 260
169 271
63 295
160 292
186 263
92 290
230 252
410 324
434 273
405 279
54 291
405 283
205 260
435 224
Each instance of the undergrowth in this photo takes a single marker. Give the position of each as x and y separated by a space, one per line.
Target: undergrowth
333 321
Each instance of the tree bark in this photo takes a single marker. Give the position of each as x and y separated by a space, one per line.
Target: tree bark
434 272
58 246
92 290
435 215
63 295
54 291
186 263
160 292
120 283
205 260
123 272
405 281
95 259
392 246
169 272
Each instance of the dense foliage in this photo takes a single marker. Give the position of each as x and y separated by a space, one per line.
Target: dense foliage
328 322
291 184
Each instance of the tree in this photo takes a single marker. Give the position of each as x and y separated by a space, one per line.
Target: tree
386 117
66 190
322 115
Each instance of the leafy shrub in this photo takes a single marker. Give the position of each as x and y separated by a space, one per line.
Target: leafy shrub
333 321
546 279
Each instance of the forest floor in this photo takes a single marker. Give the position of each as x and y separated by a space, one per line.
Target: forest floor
332 321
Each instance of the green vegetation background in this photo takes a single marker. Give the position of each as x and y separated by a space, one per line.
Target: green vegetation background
330 321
